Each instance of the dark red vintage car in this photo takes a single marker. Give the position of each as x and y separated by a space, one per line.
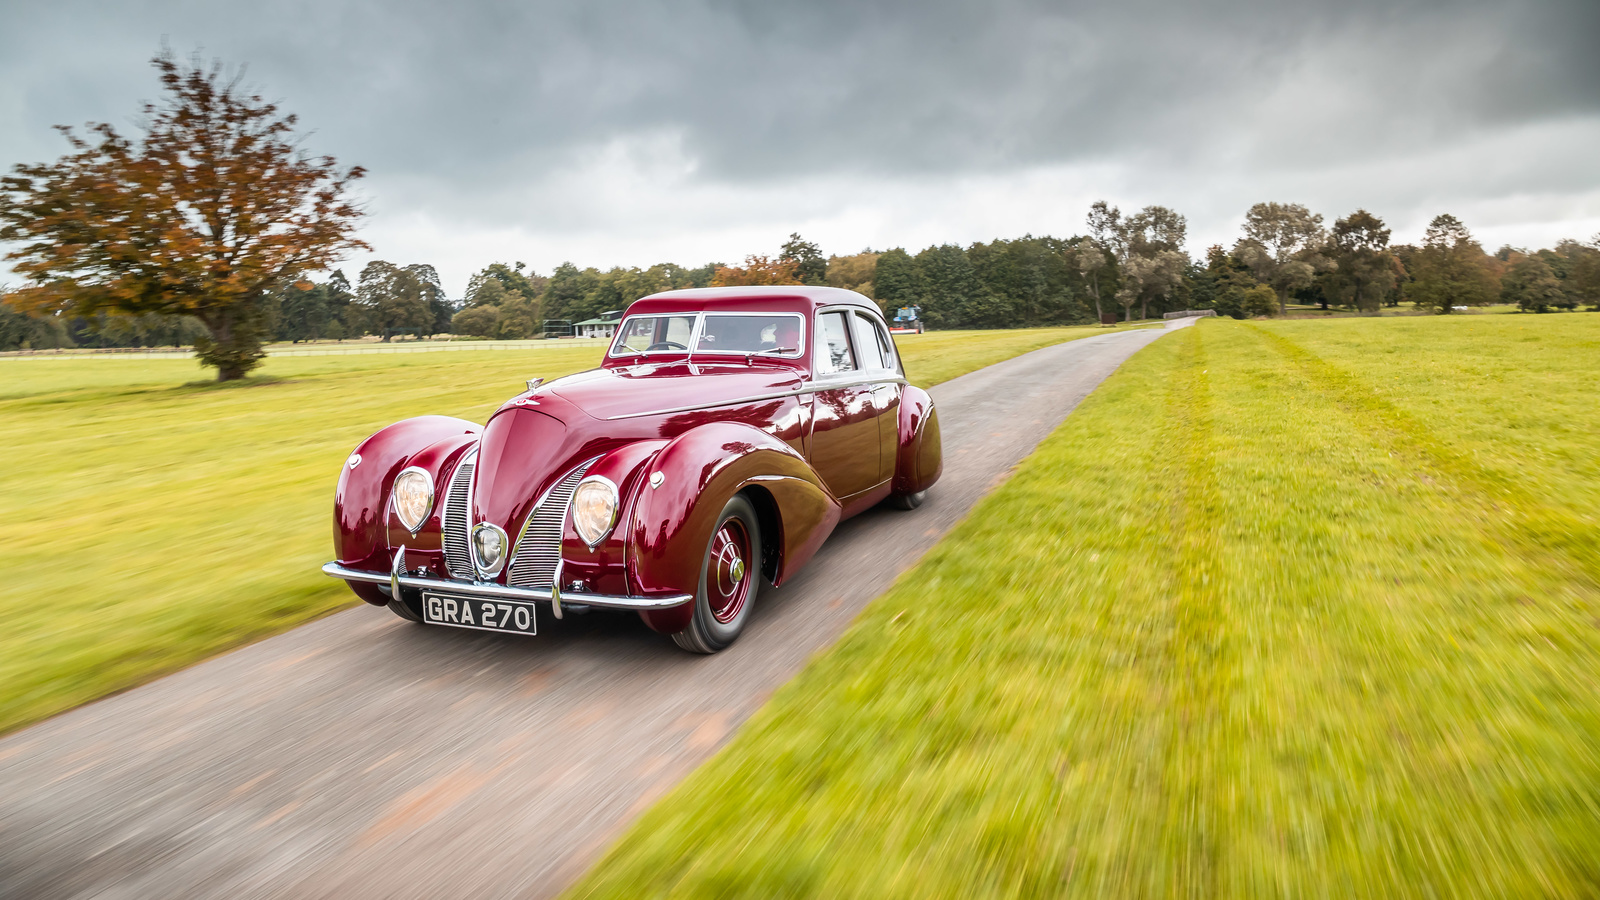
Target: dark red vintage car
726 433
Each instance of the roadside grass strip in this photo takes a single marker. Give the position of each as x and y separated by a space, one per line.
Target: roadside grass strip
1284 609
151 519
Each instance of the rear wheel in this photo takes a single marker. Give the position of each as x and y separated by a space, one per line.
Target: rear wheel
730 575
907 501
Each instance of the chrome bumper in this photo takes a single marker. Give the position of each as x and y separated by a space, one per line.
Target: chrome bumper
500 591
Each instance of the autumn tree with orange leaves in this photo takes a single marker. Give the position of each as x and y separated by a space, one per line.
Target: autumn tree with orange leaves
211 208
757 270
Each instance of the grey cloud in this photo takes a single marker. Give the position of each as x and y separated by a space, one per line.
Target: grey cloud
477 109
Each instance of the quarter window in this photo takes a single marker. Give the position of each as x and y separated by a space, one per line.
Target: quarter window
833 350
867 340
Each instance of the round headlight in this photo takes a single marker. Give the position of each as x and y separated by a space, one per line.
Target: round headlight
489 544
413 498
594 509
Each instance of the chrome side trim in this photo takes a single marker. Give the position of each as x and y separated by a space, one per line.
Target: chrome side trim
776 395
479 589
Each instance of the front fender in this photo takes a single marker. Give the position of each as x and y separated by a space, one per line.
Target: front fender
920 458
361 501
684 490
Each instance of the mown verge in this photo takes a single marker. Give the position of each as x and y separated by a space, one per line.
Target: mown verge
1288 609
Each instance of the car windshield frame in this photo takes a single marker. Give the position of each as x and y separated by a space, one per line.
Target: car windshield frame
622 331
797 353
698 329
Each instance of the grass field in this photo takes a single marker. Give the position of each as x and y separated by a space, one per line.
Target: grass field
1285 609
150 519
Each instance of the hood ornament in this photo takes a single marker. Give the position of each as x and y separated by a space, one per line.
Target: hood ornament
534 382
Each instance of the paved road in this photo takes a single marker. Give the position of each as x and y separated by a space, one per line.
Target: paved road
362 756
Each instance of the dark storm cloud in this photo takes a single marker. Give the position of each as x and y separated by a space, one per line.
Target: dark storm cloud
766 90
468 108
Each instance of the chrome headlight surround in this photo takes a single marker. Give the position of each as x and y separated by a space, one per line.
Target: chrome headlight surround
594 509
411 496
490 547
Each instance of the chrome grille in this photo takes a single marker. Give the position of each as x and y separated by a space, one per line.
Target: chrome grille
539 546
456 520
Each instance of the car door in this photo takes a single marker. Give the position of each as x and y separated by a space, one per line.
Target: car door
876 359
844 423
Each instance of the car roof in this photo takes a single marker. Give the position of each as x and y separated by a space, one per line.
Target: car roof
764 298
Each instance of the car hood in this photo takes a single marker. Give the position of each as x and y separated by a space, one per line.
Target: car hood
537 437
675 387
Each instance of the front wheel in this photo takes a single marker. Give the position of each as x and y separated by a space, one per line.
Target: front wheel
730 575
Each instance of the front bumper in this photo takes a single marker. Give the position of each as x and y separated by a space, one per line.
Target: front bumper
398 579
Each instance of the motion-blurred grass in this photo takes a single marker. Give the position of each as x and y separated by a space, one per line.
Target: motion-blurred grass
1285 609
150 518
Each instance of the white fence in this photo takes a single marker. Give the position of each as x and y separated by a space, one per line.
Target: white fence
1190 313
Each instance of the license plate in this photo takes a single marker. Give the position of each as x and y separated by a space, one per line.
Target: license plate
514 616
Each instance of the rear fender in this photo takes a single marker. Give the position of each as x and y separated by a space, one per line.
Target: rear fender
361 502
683 491
920 459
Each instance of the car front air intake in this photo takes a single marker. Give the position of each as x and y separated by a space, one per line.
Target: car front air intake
538 550
456 521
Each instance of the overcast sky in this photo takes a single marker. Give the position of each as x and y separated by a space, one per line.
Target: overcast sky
630 132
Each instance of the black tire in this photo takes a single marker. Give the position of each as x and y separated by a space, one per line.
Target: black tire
715 626
403 609
907 501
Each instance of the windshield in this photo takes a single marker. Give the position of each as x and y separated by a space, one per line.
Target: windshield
771 334
654 334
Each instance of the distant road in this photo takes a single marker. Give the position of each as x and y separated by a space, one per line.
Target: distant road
361 756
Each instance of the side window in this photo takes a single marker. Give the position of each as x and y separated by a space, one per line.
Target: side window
833 349
886 347
867 342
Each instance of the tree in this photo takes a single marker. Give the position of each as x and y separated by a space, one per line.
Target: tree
1155 275
1096 255
1582 281
476 321
395 299
950 293
1258 300
1156 235
809 264
1450 269
895 280
19 331
854 273
210 209
1531 285
757 270
1280 245
1364 271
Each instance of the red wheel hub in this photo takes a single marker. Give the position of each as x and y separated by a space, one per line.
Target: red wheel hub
729 571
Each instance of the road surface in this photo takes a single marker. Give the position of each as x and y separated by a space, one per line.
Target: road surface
362 756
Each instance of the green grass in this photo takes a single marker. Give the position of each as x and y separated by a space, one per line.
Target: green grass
151 518
1285 609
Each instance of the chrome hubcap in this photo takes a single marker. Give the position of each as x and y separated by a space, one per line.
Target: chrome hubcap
727 581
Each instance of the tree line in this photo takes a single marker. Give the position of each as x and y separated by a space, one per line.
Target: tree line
206 229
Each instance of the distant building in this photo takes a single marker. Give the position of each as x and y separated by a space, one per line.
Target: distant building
603 327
